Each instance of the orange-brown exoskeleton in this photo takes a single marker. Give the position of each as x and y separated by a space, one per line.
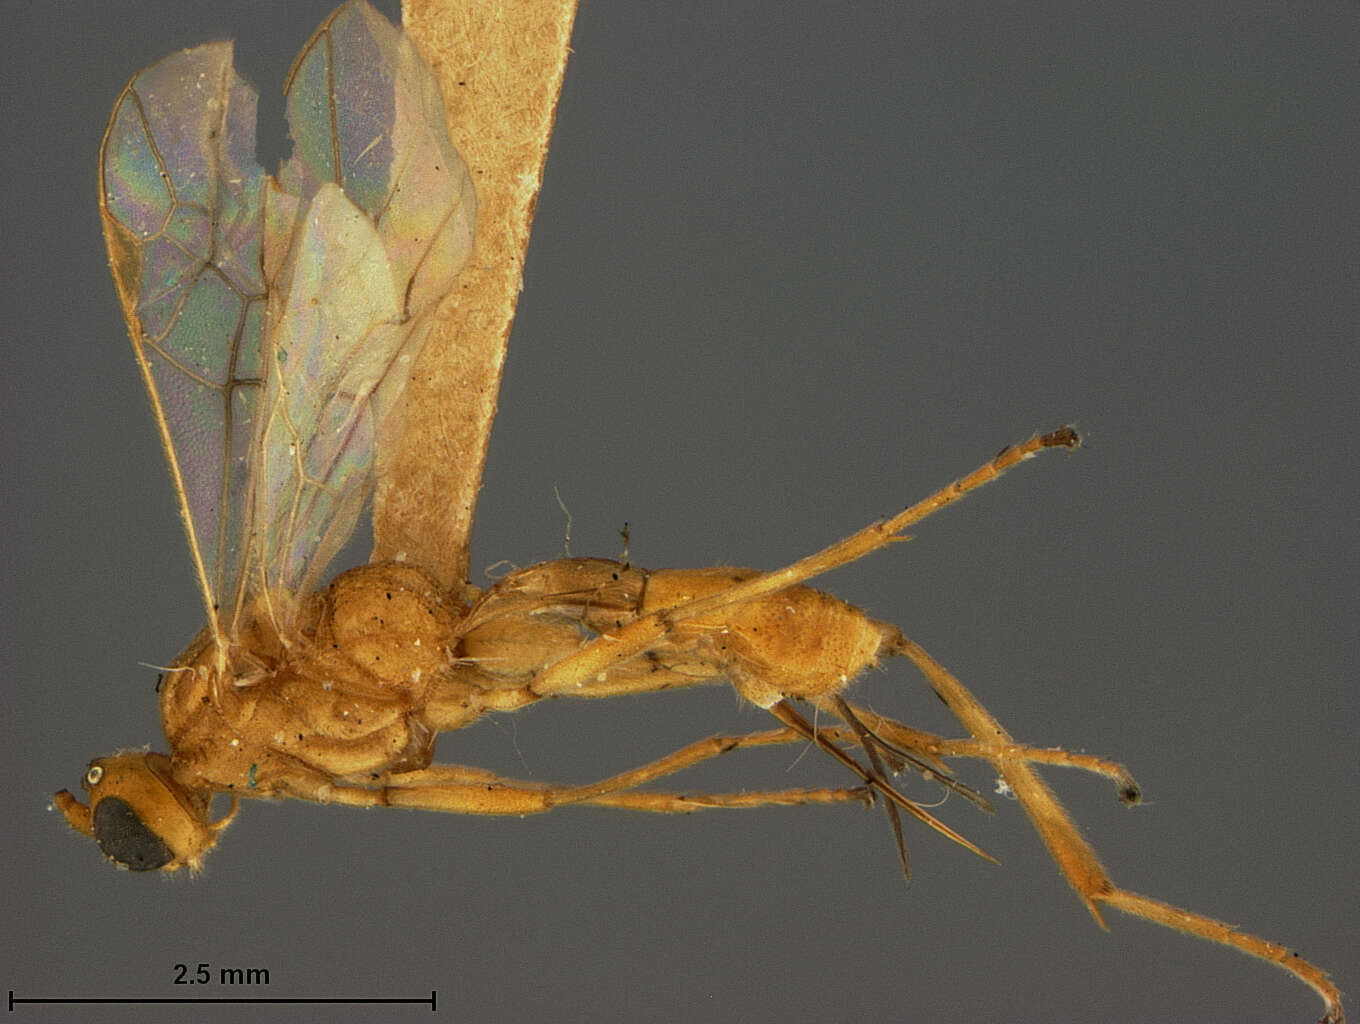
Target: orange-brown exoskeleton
276 322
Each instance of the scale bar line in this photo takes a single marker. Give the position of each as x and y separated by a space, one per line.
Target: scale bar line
17 1000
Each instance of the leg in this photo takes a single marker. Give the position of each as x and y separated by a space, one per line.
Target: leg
1076 858
463 790
457 789
930 748
596 658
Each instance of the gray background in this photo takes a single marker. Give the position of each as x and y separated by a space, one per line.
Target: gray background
794 266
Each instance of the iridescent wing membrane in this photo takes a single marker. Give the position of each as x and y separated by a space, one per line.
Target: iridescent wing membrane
275 321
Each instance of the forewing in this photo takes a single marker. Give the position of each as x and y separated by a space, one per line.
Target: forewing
384 219
180 202
275 322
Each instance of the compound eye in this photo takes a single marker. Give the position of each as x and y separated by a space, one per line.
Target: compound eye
93 775
125 838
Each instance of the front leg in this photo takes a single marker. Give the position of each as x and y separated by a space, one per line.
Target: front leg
458 789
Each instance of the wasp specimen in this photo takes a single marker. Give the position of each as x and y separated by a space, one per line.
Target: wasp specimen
276 321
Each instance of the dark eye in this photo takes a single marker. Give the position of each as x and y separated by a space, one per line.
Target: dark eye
125 839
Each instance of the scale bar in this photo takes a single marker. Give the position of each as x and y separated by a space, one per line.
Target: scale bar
16 1000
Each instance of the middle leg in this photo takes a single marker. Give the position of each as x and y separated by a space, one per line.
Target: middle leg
459 789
